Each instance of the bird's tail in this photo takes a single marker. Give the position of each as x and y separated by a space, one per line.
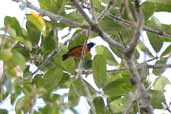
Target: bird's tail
65 56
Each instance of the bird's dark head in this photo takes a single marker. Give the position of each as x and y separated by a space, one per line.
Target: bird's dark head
90 45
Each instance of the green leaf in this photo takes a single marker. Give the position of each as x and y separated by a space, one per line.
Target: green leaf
118 87
49 109
99 70
26 43
52 78
75 92
3 111
143 48
155 41
33 32
159 71
119 105
167 52
160 83
87 63
48 43
79 39
37 20
98 4
50 81
6 55
69 65
157 98
117 52
55 6
11 32
109 25
102 50
23 104
18 59
14 24
155 6
15 62
74 16
99 105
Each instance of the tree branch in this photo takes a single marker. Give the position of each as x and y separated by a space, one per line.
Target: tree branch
140 24
141 94
97 29
132 24
55 16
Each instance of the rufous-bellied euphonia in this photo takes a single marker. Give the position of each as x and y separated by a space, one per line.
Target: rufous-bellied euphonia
76 51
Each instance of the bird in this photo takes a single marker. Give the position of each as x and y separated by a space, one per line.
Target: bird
76 51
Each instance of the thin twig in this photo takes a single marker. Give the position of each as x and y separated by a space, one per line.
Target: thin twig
105 11
160 66
48 58
132 24
80 65
167 106
79 74
92 11
122 40
126 68
128 11
75 37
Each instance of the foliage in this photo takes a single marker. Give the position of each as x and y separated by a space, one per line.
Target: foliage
35 42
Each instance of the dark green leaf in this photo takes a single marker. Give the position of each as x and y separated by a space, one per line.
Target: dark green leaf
166 52
3 111
48 43
33 32
155 41
99 105
88 64
159 71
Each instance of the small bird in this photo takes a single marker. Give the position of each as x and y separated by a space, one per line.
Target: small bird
76 51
